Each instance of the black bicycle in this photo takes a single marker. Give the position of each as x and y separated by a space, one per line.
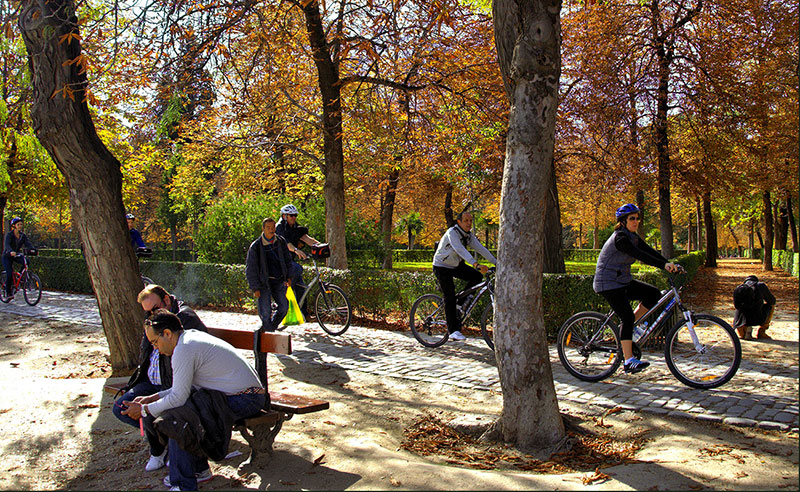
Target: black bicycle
427 318
24 280
145 253
702 351
331 305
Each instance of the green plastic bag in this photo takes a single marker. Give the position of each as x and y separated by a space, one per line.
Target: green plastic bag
294 316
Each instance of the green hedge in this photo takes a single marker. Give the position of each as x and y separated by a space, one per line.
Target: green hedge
158 254
787 260
376 294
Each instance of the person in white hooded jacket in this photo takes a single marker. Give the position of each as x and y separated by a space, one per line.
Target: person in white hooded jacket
453 260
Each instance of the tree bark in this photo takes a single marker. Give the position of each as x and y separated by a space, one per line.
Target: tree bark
781 226
699 223
333 169
662 151
751 240
711 232
528 39
768 232
640 204
387 215
553 238
449 217
792 225
63 124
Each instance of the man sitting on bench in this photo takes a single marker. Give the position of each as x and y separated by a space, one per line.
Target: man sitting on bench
199 361
154 372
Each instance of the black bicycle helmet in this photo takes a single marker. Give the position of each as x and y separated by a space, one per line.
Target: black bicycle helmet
626 210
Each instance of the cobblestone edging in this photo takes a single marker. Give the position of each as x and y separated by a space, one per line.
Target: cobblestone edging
760 395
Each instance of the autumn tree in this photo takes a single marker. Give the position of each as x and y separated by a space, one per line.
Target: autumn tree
528 39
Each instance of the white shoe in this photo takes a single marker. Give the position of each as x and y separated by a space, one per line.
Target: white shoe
457 335
155 462
203 476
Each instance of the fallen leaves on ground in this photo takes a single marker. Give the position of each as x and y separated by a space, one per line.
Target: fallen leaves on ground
430 436
597 476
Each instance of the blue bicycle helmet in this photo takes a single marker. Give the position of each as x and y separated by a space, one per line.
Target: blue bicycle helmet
130 216
626 210
15 220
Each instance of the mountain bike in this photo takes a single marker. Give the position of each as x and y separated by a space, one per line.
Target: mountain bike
24 280
427 319
331 305
144 253
702 351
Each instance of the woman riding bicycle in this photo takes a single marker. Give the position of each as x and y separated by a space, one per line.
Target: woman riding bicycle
13 243
613 281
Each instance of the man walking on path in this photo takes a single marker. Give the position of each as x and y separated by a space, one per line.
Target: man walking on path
268 270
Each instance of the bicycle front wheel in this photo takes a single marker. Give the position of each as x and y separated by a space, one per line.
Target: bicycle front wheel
428 322
332 309
588 346
32 289
3 295
704 356
487 325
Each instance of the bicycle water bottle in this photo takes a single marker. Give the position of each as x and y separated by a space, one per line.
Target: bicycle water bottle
639 331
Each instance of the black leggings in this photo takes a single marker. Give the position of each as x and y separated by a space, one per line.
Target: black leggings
620 303
445 277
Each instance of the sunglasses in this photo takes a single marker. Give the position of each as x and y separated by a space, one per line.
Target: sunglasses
634 218
292 215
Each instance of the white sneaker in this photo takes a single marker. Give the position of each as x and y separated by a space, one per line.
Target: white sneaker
457 335
155 462
203 476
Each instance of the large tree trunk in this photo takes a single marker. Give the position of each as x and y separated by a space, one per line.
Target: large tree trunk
711 232
63 125
781 226
553 240
640 204
699 212
751 240
528 39
768 232
387 215
449 217
792 225
331 136
662 151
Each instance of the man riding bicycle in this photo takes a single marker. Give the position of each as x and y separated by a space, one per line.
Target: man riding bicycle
13 243
453 260
136 237
295 235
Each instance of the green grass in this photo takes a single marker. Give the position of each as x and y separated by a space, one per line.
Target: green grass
582 267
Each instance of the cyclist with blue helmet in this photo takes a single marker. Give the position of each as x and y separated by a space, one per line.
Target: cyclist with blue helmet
13 243
136 237
613 280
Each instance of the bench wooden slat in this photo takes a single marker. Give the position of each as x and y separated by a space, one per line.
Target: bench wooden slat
273 343
296 404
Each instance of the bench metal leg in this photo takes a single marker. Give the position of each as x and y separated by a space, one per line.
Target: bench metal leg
260 438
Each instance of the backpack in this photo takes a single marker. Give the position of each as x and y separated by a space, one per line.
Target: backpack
747 297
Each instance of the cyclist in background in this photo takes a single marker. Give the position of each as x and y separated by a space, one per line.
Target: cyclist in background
613 281
452 260
296 236
13 243
136 237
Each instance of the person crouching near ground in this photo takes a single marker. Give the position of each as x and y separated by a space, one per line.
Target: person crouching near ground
209 378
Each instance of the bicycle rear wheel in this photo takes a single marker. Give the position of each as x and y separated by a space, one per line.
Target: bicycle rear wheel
487 325
428 322
588 348
32 289
3 296
332 309
708 359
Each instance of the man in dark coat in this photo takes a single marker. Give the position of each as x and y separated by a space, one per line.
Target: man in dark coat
268 272
754 308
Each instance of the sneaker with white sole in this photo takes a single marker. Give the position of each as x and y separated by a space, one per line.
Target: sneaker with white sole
203 476
156 462
457 335
634 365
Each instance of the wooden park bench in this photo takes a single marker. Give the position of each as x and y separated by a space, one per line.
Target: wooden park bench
260 431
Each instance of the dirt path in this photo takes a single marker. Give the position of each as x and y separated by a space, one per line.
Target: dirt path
58 431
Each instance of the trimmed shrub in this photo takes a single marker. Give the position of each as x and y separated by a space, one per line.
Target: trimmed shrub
787 261
62 273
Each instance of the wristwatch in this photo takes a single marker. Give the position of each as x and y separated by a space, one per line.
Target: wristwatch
144 410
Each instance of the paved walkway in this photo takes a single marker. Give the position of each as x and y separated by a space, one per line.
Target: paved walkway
761 394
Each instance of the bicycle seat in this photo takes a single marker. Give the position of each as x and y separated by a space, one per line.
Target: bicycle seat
144 252
31 252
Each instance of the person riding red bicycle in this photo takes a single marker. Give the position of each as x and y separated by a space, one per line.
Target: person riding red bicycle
13 245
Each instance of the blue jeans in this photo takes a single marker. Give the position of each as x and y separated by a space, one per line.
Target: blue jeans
183 465
277 291
8 266
145 388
